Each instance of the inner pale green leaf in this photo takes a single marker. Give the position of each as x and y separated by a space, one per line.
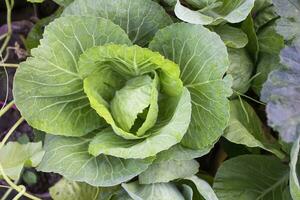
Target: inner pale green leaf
133 100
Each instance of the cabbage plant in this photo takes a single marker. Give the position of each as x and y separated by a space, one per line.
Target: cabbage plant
117 91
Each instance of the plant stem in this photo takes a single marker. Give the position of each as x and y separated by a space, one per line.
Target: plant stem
9 65
14 186
3 36
9 6
6 108
10 132
20 189
5 186
7 193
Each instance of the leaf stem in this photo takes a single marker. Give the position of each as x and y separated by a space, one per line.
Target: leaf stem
12 65
21 190
7 193
246 96
10 132
9 6
6 108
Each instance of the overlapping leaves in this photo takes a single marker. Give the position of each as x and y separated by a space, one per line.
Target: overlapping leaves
122 105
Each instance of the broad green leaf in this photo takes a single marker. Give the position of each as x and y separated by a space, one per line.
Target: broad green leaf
231 36
69 157
168 171
252 46
15 156
203 60
251 177
140 19
70 190
216 12
246 128
294 177
48 89
240 68
170 129
161 191
288 24
203 188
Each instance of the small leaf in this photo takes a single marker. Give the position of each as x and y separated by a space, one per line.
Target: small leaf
168 171
240 69
231 36
69 190
29 177
15 156
252 46
203 188
247 129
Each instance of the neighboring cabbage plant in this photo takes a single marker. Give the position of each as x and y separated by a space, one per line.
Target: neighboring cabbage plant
213 12
115 94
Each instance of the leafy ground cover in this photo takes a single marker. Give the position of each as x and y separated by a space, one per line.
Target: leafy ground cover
150 99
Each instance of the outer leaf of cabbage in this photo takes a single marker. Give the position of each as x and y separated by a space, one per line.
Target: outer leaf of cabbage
203 60
70 190
162 191
69 157
252 177
164 172
232 11
48 89
140 19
